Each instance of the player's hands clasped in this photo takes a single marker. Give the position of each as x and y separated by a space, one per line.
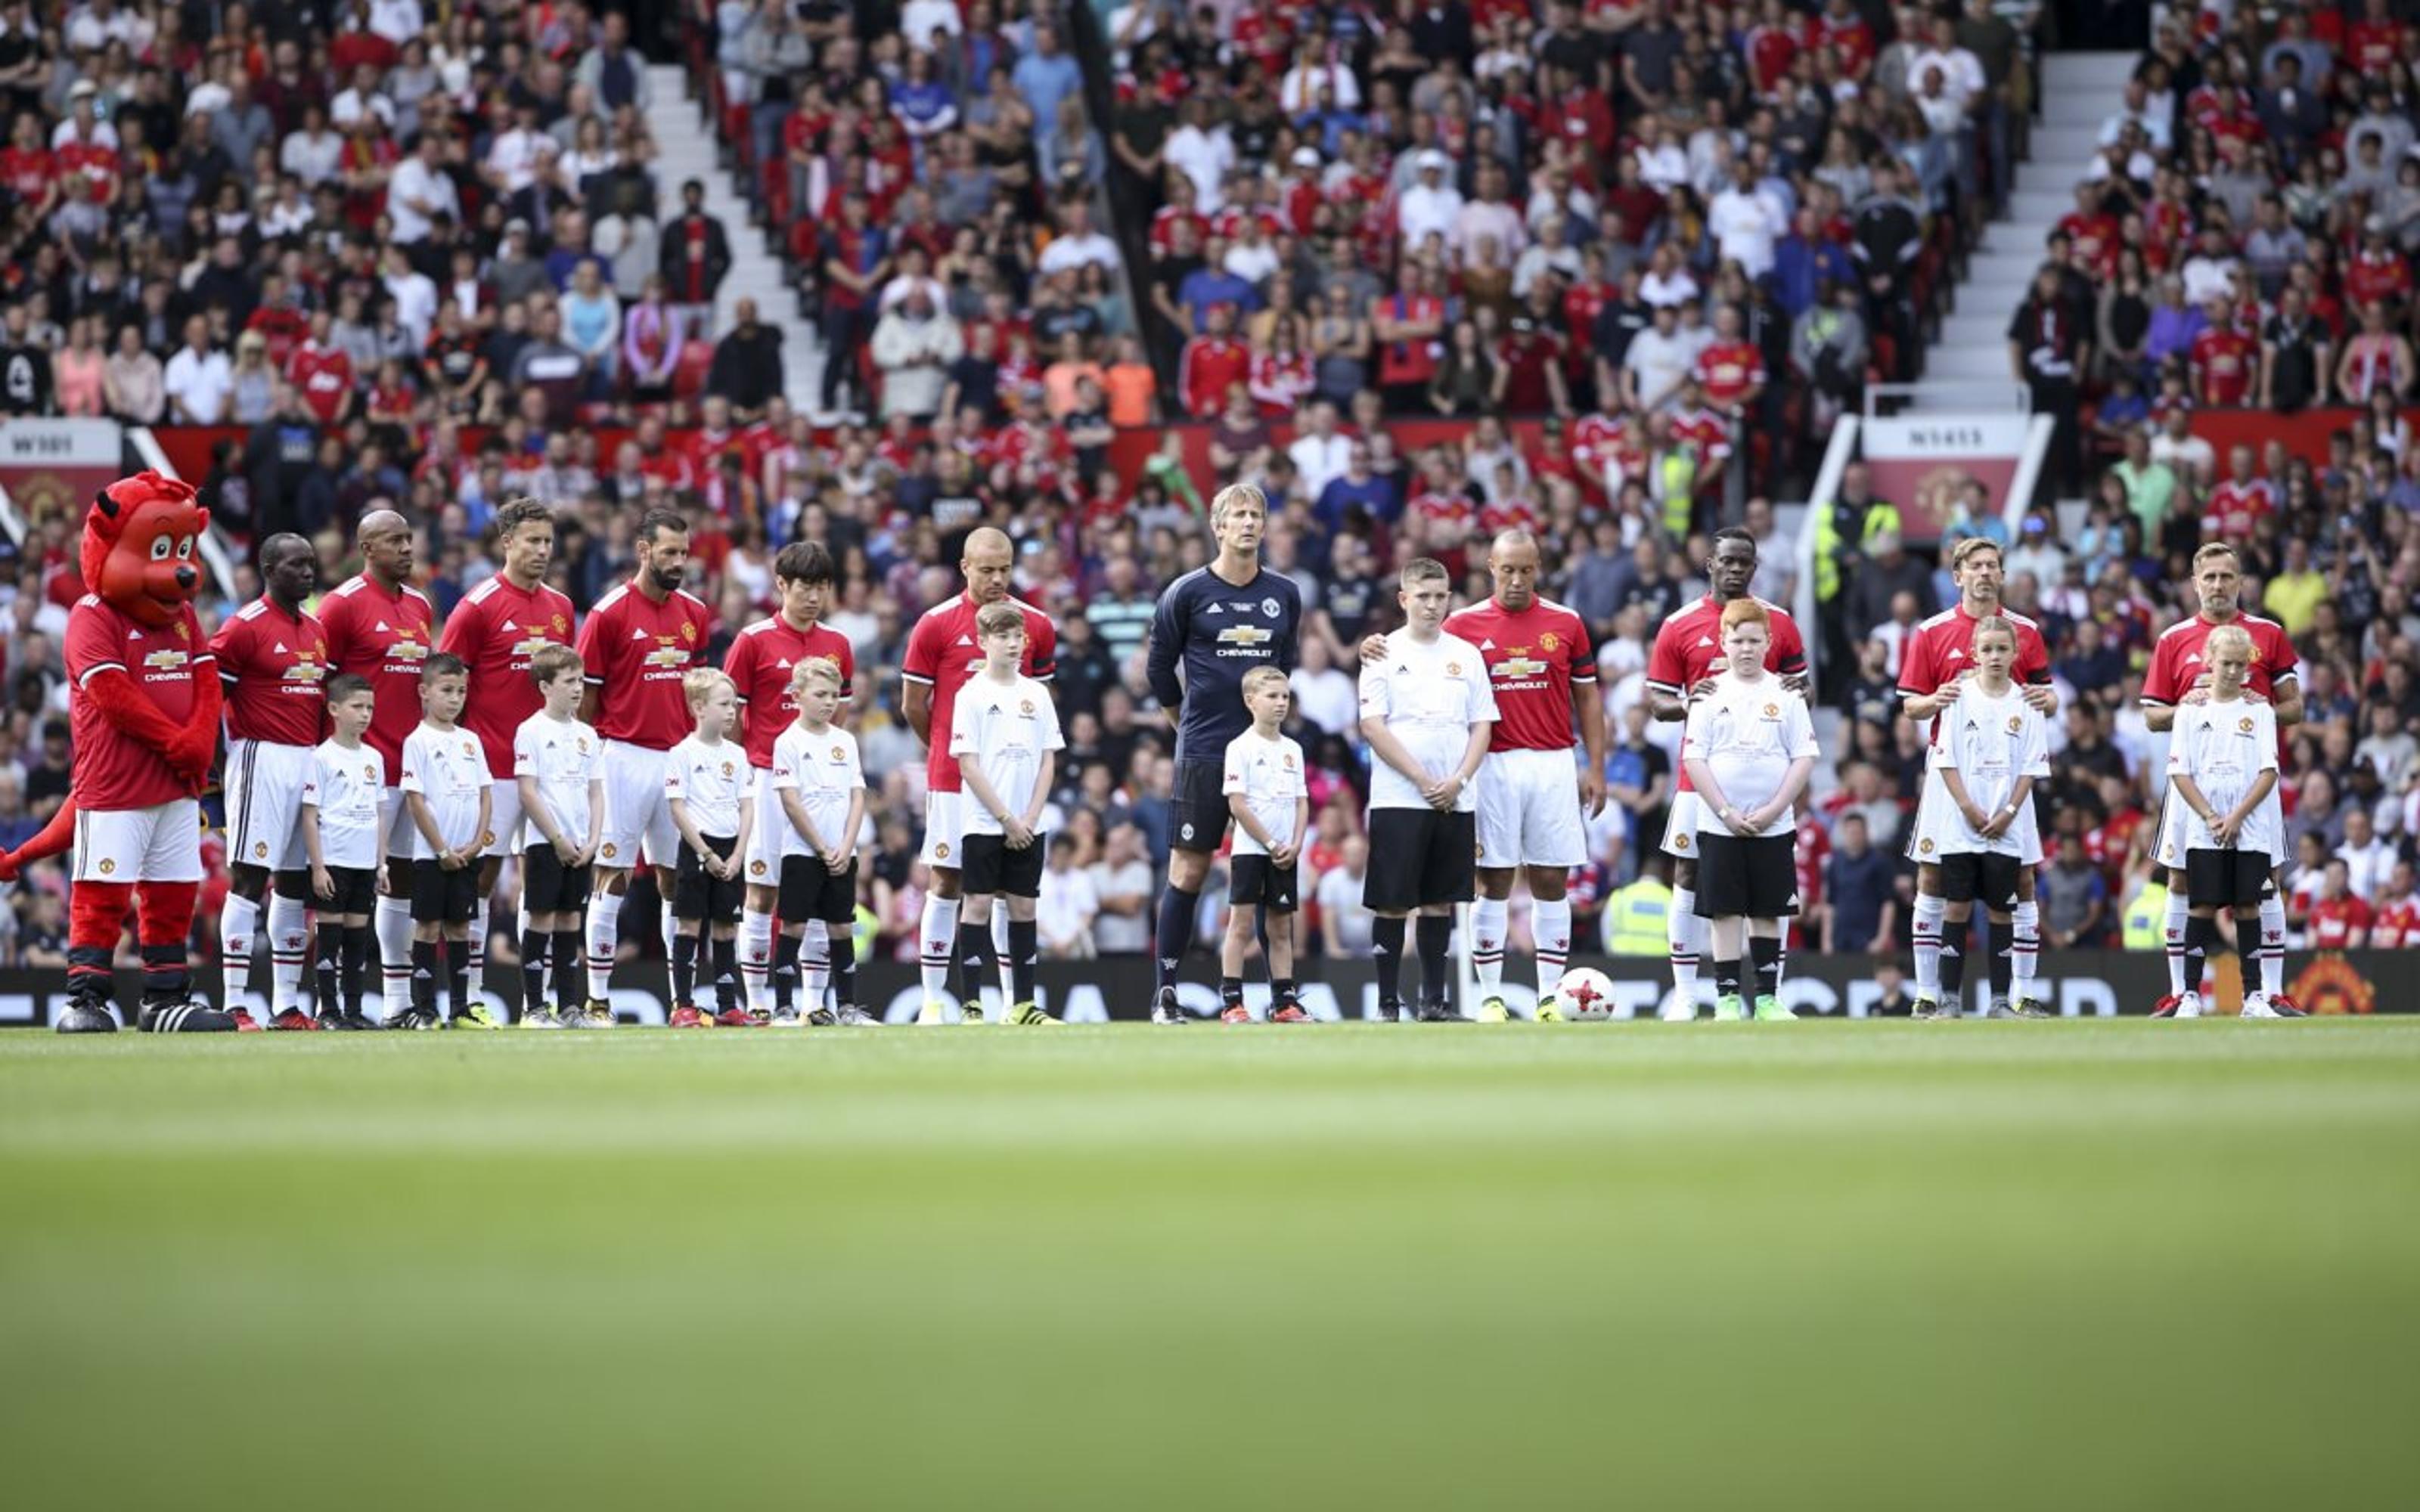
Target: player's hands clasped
1015 832
565 852
1443 793
839 860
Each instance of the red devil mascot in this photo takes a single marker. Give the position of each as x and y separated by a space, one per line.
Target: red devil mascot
145 712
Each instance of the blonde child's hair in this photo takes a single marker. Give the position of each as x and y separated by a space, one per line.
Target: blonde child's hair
1261 678
551 661
1995 625
2228 638
1747 610
999 619
701 683
817 670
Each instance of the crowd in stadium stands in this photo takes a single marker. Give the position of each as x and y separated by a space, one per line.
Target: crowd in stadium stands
421 256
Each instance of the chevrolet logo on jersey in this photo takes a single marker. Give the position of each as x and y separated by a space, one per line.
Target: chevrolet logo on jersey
666 653
163 660
305 671
530 647
1243 639
1520 667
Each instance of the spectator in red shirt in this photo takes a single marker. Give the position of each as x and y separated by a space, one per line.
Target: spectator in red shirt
2340 921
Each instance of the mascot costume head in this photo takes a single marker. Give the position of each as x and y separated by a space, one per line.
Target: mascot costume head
145 712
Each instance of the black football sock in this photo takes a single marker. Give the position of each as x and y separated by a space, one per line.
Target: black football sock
424 977
684 969
327 969
785 970
2201 938
357 961
1954 944
1766 956
1175 935
1231 991
843 966
570 983
1435 936
1387 956
1024 952
1726 977
1283 989
457 974
978 959
535 945
2003 946
726 972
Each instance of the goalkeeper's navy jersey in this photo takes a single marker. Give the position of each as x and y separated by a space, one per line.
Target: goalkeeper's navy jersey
1215 632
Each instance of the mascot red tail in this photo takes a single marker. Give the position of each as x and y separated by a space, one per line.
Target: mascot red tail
145 714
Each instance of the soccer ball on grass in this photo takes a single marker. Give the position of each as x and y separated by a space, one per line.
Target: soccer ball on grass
1585 994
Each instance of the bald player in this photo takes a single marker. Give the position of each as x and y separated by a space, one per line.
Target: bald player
943 654
381 628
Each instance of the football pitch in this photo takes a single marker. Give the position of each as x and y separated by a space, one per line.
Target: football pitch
2079 1264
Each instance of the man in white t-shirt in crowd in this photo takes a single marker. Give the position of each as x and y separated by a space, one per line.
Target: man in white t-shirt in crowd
1746 220
1658 358
199 382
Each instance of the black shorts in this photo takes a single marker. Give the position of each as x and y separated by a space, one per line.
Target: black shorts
1746 878
994 871
696 895
548 885
811 892
1196 807
1420 859
356 891
2226 879
1986 877
443 897
1255 879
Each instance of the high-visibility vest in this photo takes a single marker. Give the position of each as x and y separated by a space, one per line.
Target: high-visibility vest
2147 918
1676 480
1637 919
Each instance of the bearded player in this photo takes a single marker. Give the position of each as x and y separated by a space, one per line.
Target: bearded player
1933 668
1681 668
761 664
381 628
639 646
943 654
272 656
495 631
1543 672
1212 626
2179 675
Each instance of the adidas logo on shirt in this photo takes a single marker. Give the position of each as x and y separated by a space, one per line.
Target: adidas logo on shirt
1487 645
1215 608
635 635
510 625
1705 641
966 641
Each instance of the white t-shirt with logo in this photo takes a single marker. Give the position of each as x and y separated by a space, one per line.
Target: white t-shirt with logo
1990 743
823 769
564 755
447 768
1430 695
714 780
1269 775
1006 727
346 788
1747 734
2225 747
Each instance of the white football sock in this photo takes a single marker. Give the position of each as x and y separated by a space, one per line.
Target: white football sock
289 946
998 953
392 922
814 968
2272 945
2173 930
1681 933
1488 916
671 927
757 959
237 919
1550 923
1926 931
937 938
604 939
2024 949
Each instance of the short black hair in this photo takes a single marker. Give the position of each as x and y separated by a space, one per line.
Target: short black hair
656 522
803 561
520 512
443 664
347 684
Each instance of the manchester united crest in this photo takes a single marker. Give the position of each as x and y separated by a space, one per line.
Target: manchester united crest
2243 726
1924 847
1550 642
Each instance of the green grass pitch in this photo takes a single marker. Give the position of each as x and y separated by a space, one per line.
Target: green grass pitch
2070 1265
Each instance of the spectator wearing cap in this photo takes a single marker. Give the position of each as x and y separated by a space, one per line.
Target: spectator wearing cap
1431 205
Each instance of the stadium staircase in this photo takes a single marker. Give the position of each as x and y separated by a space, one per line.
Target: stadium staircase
690 144
1970 355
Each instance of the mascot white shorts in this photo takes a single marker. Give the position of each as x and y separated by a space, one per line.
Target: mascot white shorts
638 816
265 785
161 844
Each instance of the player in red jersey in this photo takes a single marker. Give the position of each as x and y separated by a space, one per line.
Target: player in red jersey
2340 921
2395 922
1687 656
638 644
381 628
273 657
761 664
2224 359
322 373
495 631
2179 674
1544 671
1933 669
943 654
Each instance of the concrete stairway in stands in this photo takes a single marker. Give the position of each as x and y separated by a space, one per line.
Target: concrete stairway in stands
2079 91
687 144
